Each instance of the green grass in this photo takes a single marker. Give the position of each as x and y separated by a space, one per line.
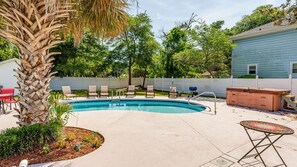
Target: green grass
83 93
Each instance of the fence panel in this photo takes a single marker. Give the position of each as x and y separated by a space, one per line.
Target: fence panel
294 86
82 83
217 86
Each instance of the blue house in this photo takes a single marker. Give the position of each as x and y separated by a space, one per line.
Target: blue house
269 51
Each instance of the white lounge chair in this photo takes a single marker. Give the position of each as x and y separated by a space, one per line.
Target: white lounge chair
131 91
150 92
67 92
92 91
104 91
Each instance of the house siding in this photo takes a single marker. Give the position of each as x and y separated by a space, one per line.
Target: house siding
272 53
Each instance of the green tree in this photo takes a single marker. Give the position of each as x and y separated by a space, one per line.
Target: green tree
136 44
214 47
209 54
90 59
260 16
174 42
7 50
149 48
287 12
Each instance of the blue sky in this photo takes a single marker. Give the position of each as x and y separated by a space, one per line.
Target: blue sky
165 13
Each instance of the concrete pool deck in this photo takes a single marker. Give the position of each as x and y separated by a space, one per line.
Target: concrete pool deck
143 139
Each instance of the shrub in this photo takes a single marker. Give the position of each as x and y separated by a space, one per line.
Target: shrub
248 76
89 138
61 144
59 111
23 139
46 149
70 137
96 143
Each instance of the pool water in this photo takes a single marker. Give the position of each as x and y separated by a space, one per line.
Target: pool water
156 106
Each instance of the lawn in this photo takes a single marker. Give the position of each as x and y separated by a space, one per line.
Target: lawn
139 92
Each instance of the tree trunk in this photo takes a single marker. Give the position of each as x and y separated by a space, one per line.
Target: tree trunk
130 74
144 76
31 25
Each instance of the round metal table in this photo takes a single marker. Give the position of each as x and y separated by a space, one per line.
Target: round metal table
269 130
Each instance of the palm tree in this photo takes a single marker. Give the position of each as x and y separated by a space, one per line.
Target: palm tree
35 26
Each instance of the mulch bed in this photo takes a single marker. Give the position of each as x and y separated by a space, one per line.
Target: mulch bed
63 149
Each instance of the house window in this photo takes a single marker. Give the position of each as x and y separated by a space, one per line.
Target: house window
252 69
294 67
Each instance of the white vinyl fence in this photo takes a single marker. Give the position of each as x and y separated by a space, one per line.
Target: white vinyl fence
82 83
218 86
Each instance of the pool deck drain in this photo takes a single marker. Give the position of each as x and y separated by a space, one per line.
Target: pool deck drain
222 162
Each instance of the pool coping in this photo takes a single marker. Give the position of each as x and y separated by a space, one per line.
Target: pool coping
185 101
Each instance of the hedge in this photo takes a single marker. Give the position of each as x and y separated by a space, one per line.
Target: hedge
19 140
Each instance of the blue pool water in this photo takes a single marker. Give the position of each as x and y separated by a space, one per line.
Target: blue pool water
157 106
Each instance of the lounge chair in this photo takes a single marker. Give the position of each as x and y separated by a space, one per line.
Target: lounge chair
150 92
131 91
92 91
104 91
172 92
67 92
8 99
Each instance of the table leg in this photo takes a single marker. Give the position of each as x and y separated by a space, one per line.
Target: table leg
271 143
254 147
276 149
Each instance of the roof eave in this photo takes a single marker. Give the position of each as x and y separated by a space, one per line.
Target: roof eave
291 27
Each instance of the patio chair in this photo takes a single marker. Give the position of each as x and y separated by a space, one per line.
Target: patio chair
104 91
92 91
67 92
131 91
172 92
150 92
8 99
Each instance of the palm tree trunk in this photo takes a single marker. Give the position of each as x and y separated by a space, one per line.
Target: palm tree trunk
31 25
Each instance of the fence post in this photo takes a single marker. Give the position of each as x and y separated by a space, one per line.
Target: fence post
183 82
172 81
257 81
231 80
162 83
67 81
291 82
211 83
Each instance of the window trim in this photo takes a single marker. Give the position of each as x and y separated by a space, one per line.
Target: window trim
248 69
291 68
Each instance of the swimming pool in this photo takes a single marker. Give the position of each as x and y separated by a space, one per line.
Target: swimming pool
156 106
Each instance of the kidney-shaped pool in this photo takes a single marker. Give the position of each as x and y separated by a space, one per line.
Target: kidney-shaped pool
157 106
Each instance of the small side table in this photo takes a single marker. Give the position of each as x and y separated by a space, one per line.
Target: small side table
120 92
269 130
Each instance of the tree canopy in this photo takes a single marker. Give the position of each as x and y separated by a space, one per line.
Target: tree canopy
137 44
190 49
260 16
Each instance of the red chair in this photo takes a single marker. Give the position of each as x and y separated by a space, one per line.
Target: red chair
8 99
